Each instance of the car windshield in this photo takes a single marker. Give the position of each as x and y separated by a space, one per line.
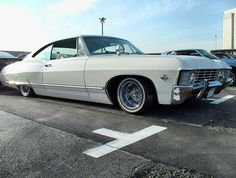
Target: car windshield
107 45
206 54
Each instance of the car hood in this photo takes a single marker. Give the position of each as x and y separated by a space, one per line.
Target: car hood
190 62
157 62
202 62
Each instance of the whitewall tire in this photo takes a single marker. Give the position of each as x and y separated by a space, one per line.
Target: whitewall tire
26 90
134 95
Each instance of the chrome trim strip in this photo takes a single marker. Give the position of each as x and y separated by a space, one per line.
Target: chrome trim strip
95 88
59 85
70 86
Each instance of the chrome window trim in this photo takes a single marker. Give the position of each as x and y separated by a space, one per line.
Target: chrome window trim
84 46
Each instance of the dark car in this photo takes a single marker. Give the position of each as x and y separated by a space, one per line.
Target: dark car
231 52
204 53
23 55
6 59
222 55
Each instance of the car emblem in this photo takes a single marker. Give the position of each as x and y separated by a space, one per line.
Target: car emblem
164 77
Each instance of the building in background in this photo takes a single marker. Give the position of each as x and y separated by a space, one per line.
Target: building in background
229 29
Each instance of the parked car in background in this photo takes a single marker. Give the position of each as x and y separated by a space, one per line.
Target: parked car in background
112 70
222 55
203 53
23 55
232 52
191 52
6 59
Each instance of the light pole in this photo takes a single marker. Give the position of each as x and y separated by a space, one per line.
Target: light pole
215 41
102 21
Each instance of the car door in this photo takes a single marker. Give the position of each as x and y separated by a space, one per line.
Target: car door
63 75
32 69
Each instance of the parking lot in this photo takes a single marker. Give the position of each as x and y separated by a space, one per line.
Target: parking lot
49 137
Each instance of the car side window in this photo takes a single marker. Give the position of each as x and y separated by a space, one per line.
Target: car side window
44 54
64 49
128 49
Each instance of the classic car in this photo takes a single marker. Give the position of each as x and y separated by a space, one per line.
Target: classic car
204 53
113 71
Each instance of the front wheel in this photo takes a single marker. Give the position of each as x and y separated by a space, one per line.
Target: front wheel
134 95
232 75
26 90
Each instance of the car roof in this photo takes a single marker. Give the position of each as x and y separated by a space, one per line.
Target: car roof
84 36
48 44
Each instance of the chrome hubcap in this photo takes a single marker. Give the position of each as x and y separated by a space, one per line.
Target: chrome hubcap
131 95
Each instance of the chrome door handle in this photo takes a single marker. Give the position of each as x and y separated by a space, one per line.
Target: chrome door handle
48 65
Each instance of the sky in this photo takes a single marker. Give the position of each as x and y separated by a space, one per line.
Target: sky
152 25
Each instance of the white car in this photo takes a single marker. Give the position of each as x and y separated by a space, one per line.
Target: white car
112 70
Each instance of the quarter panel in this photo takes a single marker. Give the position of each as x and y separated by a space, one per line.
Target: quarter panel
24 72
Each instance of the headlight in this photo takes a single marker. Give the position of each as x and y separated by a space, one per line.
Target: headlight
186 78
224 75
221 75
228 76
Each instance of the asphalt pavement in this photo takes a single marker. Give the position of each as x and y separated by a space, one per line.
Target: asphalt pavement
48 137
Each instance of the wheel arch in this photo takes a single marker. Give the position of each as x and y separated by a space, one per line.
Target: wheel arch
21 81
112 85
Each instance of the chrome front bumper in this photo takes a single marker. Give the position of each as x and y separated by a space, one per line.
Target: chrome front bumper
204 89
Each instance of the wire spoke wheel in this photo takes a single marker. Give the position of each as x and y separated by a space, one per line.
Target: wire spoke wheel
133 95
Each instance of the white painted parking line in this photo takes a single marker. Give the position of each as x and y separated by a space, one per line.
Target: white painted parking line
122 139
111 133
221 100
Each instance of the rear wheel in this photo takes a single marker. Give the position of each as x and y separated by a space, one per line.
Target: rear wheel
134 95
26 90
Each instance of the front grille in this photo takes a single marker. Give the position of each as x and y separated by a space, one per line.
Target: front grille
208 74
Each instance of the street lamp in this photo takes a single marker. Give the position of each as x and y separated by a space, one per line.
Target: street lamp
102 21
215 41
